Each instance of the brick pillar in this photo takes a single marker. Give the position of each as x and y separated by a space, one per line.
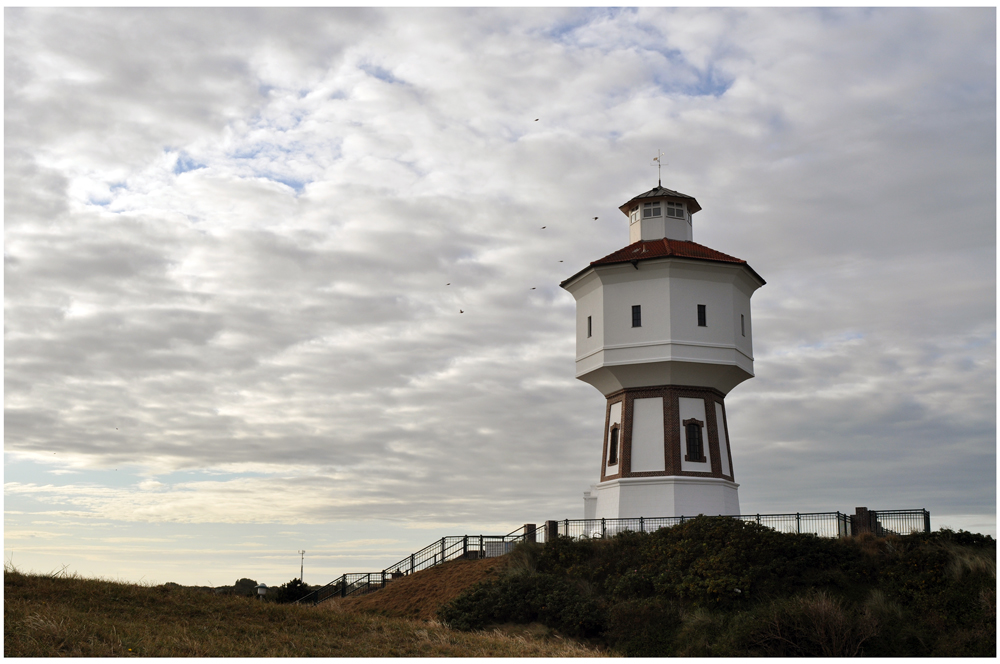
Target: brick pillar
529 532
551 530
862 521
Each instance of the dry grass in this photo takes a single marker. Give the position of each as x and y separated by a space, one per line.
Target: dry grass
815 625
965 559
420 596
59 615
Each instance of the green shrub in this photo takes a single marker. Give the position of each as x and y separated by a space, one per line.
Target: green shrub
643 627
715 586
811 625
289 592
524 598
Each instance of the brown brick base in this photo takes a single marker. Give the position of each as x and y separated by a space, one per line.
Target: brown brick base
672 438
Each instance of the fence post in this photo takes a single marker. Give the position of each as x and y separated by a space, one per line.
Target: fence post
412 563
798 523
861 523
758 519
343 586
602 528
566 528
465 547
642 525
551 530
927 521
482 553
442 549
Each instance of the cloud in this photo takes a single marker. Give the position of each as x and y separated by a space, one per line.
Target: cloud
297 249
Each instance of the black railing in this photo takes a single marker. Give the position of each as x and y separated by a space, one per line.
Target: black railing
456 547
824 524
899 522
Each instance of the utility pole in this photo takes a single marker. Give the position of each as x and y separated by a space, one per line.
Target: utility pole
302 565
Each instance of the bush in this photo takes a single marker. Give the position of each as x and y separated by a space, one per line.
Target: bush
716 586
289 592
525 598
643 627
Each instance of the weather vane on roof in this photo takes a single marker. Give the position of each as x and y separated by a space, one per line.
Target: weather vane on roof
659 162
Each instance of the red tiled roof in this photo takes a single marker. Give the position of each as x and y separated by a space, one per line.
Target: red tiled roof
664 248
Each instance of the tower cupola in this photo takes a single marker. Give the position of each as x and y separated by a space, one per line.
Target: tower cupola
660 213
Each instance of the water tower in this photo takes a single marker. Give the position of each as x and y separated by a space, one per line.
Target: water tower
663 331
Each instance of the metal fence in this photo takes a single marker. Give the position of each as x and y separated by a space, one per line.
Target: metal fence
822 524
447 548
899 522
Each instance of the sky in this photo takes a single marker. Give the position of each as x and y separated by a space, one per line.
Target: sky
277 280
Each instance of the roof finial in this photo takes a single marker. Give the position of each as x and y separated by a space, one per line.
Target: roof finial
659 161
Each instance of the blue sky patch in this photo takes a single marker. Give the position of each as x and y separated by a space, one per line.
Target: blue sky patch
380 73
185 163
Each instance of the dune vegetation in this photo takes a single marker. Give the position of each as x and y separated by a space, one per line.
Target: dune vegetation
725 587
64 615
708 587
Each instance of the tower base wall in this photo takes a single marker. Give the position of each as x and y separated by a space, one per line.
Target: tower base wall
632 497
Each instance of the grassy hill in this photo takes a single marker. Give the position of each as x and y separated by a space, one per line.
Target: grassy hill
48 616
709 587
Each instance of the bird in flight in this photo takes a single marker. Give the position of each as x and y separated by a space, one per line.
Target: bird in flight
461 311
543 227
448 284
532 288
595 218
536 119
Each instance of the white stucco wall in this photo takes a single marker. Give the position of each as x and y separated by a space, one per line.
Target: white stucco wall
669 292
647 435
589 302
663 496
614 418
723 439
694 409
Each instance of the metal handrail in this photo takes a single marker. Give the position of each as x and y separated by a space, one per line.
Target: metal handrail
828 524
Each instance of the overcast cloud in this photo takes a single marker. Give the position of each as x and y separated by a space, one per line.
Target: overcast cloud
230 234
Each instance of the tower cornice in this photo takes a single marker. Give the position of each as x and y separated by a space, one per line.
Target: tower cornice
645 250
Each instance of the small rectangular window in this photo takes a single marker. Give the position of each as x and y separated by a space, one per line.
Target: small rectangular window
695 448
636 315
675 210
743 327
701 316
590 328
651 209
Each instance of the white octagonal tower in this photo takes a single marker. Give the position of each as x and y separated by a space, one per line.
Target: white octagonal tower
663 331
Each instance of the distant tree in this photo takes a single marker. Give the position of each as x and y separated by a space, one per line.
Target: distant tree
245 587
289 592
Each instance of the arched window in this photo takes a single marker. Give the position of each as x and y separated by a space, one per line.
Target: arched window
693 438
613 446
